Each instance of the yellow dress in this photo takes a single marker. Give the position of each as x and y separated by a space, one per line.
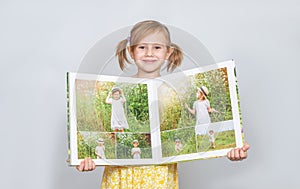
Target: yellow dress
140 177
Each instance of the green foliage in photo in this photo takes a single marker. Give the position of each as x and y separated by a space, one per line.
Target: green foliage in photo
169 108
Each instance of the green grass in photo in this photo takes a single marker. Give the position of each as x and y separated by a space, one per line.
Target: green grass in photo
223 140
186 137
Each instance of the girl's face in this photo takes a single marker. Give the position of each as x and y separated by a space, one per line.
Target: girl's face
150 54
116 95
135 144
200 95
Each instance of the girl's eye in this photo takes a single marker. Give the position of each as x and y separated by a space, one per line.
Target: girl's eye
157 47
141 47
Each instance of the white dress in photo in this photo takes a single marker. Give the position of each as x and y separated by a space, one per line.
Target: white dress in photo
211 137
100 150
118 118
136 153
202 116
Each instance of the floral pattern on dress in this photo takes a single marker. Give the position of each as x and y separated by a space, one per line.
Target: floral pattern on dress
140 177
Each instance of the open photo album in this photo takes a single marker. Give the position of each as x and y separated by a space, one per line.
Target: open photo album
183 116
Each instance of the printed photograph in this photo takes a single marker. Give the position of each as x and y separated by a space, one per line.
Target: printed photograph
215 136
97 145
111 107
178 141
133 146
203 105
204 98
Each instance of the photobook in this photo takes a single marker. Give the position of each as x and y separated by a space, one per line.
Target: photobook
183 116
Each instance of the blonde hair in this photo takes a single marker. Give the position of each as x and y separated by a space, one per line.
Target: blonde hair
141 30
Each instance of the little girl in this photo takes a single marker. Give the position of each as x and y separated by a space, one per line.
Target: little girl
211 137
136 151
149 46
201 107
118 119
178 145
100 149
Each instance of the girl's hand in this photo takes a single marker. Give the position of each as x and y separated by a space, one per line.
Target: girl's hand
212 110
238 154
86 165
186 106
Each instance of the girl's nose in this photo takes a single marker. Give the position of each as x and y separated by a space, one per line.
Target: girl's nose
149 52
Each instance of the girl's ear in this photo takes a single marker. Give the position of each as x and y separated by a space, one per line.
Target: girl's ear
170 51
130 52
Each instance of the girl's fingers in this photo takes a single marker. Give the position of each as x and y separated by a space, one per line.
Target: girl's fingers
234 154
246 147
86 165
231 155
237 154
80 167
243 154
93 165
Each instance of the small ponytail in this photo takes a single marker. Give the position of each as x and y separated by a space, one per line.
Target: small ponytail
175 58
121 53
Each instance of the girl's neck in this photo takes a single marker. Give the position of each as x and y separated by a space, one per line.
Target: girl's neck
201 99
147 75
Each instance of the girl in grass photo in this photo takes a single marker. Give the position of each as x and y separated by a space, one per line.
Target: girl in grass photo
201 107
136 151
178 145
100 149
211 136
118 119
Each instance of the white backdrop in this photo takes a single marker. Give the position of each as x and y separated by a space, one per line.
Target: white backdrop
41 40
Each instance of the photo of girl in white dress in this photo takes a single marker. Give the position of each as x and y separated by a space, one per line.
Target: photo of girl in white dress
201 108
100 149
136 151
118 119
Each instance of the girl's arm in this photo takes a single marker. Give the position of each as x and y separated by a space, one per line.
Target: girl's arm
209 109
192 111
107 98
98 155
123 97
